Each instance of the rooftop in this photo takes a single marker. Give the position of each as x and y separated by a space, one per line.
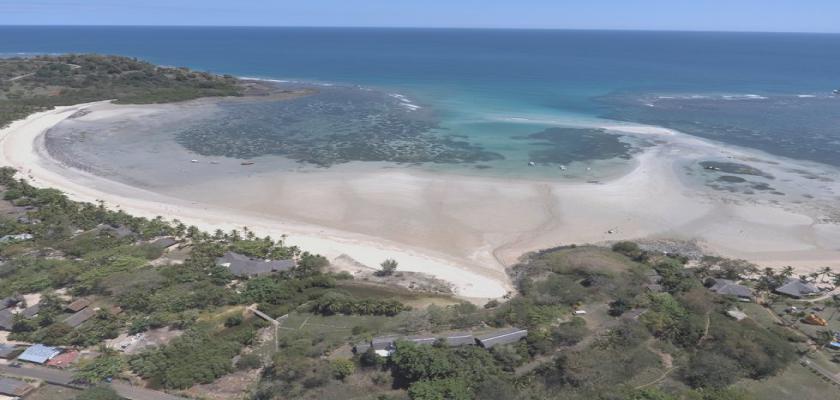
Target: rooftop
795 287
164 242
78 304
31 311
63 360
727 287
241 265
79 317
6 350
7 319
38 353
14 387
502 336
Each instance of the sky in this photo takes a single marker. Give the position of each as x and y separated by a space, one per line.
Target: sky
713 15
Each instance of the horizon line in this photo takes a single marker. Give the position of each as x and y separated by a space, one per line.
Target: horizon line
414 28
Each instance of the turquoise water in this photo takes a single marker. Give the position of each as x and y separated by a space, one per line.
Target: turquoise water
495 86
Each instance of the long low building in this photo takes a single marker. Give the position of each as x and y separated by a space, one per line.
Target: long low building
503 336
7 320
244 266
14 387
80 317
385 345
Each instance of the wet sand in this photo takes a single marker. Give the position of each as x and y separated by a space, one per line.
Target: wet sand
462 229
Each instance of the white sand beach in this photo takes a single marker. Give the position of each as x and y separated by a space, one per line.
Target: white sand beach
463 230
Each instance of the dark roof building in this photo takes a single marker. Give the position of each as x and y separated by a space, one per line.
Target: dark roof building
6 350
7 319
459 339
164 242
503 336
120 231
379 344
727 287
78 305
452 339
422 340
14 387
31 311
241 265
9 302
797 288
79 317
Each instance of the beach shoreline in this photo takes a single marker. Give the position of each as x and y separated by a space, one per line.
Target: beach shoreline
462 230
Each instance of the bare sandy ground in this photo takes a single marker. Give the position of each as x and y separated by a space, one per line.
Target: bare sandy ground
464 230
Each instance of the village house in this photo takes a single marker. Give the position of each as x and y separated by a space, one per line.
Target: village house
797 288
244 266
39 354
7 350
78 305
503 336
726 287
14 387
164 243
80 317
7 319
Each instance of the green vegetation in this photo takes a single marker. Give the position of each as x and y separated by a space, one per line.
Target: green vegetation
98 393
106 366
199 356
388 267
29 85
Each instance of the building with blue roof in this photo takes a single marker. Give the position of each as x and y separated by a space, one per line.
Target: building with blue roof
39 354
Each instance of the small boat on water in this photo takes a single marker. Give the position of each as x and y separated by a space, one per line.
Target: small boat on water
836 92
193 161
532 164
562 167
247 163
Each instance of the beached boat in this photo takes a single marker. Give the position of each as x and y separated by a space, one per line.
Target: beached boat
247 163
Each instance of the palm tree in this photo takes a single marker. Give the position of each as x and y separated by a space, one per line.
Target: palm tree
787 271
825 271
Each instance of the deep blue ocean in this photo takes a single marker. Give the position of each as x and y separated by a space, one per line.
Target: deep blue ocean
763 90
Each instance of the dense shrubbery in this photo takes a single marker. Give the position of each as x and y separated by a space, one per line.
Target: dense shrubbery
197 356
441 373
337 303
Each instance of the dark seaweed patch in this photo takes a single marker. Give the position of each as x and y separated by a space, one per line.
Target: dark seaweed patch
336 125
734 168
731 179
566 145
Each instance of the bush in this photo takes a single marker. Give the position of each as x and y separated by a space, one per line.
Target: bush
709 370
629 249
98 393
249 361
388 266
233 320
342 368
